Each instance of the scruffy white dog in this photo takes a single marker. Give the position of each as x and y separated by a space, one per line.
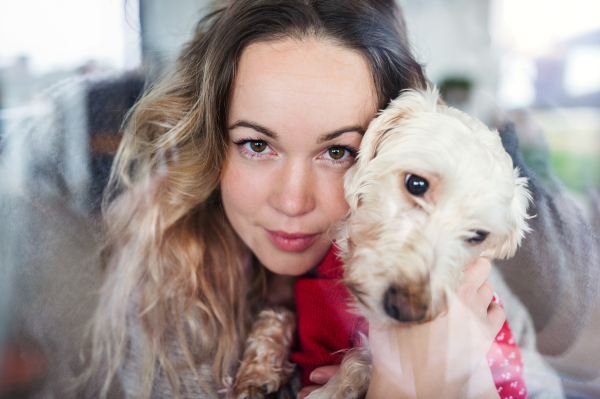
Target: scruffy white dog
432 190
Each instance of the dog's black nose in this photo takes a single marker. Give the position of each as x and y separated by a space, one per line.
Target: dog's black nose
407 304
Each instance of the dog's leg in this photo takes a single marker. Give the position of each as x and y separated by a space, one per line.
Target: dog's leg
265 365
352 379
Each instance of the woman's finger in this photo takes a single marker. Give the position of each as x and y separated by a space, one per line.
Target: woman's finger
304 392
477 273
486 292
321 375
496 317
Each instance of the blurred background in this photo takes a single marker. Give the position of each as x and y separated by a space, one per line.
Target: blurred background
70 70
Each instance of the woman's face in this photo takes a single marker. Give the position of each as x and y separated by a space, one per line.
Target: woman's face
297 116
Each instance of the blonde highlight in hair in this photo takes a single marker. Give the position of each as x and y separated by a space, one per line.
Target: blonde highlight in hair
174 264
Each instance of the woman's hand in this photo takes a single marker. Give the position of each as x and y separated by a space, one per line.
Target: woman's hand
320 377
446 356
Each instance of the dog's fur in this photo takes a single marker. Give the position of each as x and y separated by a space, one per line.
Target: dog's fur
401 252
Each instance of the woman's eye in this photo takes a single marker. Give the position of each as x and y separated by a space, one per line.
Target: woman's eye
336 152
258 145
339 153
254 148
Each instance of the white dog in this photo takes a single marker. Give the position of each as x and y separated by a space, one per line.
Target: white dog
432 190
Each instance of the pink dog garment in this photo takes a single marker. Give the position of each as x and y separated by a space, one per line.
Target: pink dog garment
326 327
504 358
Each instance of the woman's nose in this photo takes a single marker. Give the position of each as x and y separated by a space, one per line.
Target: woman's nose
293 194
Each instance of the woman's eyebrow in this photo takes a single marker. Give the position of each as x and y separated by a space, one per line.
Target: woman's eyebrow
274 136
337 133
258 128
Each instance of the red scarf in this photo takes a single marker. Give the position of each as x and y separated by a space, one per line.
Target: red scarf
326 327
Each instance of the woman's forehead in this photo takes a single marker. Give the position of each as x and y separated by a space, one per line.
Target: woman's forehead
303 84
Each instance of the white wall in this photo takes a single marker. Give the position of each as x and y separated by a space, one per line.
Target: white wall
166 26
452 37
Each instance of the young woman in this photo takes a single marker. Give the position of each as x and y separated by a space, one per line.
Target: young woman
229 176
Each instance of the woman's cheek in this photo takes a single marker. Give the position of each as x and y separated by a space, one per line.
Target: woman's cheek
330 187
243 193
240 184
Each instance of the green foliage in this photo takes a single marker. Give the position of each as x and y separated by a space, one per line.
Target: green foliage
577 172
456 82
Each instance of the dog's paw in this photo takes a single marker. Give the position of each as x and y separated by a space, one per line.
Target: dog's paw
265 365
265 391
258 381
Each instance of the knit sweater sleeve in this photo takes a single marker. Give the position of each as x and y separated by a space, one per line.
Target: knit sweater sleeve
131 370
555 271
190 387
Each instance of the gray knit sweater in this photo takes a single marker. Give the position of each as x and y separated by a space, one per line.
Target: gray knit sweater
554 275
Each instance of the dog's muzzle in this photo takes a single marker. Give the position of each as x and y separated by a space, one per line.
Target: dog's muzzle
408 304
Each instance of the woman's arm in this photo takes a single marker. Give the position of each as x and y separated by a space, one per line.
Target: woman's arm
131 371
555 271
480 385
444 358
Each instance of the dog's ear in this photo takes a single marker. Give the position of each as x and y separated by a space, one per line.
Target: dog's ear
517 219
407 103
353 180
377 129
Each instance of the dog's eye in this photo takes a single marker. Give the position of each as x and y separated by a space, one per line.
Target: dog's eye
479 237
416 185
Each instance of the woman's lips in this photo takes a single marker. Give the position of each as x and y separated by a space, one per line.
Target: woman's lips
291 242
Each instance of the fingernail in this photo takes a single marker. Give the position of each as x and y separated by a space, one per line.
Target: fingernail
318 377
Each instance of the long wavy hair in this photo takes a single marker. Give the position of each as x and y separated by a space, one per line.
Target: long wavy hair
174 264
